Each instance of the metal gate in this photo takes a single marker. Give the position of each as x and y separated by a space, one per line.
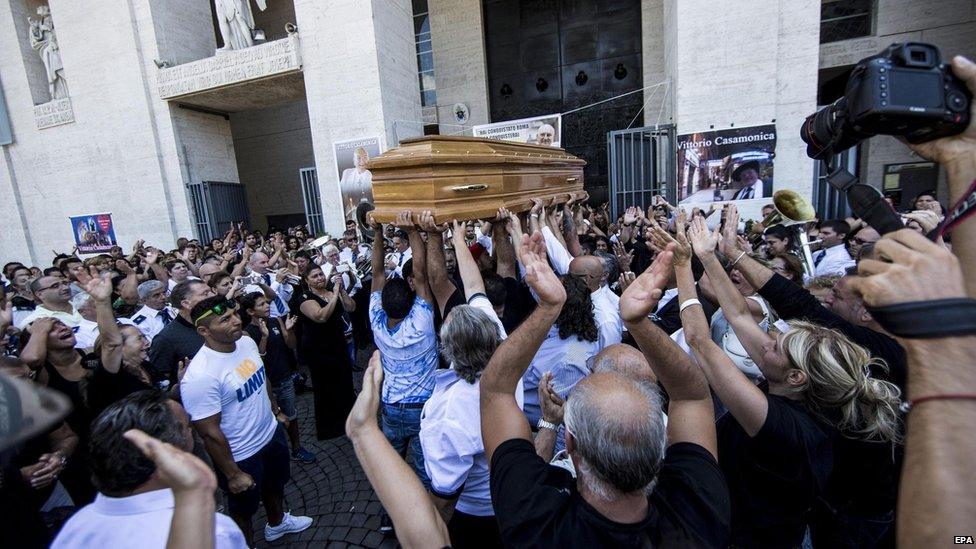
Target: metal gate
312 200
217 205
642 164
828 202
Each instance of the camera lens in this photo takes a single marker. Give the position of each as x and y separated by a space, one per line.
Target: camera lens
956 102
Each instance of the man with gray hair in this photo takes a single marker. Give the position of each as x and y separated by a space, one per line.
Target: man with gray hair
450 426
86 332
627 492
154 314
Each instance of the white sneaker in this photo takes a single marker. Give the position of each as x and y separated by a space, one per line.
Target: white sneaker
289 525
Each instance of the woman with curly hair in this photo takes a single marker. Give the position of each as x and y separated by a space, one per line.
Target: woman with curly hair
567 351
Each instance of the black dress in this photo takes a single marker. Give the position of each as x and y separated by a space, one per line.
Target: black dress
324 349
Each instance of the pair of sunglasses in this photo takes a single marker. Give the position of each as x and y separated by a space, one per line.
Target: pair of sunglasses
217 309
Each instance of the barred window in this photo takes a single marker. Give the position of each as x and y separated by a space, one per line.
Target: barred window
845 19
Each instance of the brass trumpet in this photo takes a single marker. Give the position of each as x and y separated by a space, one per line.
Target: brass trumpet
791 209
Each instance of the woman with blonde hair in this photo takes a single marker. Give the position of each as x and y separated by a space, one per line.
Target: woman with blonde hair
782 450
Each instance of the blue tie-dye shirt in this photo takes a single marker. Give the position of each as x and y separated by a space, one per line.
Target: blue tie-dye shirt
409 351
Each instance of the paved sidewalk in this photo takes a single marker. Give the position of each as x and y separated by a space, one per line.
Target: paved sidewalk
334 491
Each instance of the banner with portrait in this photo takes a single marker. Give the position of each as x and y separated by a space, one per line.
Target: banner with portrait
355 181
539 130
94 233
729 164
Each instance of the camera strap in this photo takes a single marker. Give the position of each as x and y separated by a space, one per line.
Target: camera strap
928 319
965 207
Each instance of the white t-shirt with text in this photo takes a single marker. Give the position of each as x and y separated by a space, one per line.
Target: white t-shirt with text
235 386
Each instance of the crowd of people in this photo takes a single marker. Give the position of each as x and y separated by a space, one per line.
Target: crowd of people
559 376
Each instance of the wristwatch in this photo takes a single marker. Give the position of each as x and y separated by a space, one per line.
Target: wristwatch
543 424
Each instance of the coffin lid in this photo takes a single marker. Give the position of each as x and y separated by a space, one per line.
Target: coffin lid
442 149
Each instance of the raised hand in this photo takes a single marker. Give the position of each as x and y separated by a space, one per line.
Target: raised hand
910 268
152 256
99 288
702 239
363 414
179 470
404 220
538 274
641 297
730 230
537 207
458 229
630 216
290 322
624 257
550 401
428 225
124 267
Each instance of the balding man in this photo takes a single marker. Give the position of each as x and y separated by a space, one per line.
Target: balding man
260 272
53 296
207 270
624 360
546 135
606 304
627 492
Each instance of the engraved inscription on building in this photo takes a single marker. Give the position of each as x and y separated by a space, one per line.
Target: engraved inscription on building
53 113
231 67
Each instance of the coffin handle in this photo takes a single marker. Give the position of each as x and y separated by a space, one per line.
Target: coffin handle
572 179
468 188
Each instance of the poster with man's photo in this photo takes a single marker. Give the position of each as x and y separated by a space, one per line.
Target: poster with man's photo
540 130
94 233
730 164
355 181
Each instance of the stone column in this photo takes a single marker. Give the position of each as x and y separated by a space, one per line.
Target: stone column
360 70
747 64
460 67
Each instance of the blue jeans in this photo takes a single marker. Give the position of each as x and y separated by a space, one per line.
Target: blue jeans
401 425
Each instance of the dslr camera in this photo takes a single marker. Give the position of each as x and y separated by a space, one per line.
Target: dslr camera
905 90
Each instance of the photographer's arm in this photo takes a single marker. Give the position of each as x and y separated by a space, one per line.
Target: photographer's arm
957 154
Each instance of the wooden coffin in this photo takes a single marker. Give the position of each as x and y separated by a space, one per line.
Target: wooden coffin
467 178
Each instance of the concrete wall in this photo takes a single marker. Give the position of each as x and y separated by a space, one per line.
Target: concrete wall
457 37
342 47
721 80
658 101
271 146
949 24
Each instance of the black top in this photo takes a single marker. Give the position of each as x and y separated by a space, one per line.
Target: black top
176 341
538 505
789 300
669 317
519 303
21 303
864 481
775 476
79 418
104 388
279 361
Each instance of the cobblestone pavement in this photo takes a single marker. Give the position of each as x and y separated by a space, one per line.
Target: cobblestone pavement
334 491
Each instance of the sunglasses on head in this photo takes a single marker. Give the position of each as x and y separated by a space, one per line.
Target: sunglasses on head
216 309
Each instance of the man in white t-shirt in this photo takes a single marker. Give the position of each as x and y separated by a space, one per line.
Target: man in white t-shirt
227 394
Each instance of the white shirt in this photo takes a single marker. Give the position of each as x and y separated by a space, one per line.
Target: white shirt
568 359
450 434
86 332
752 191
70 320
606 310
284 291
172 283
399 259
606 304
345 255
454 453
150 321
139 521
234 386
834 261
